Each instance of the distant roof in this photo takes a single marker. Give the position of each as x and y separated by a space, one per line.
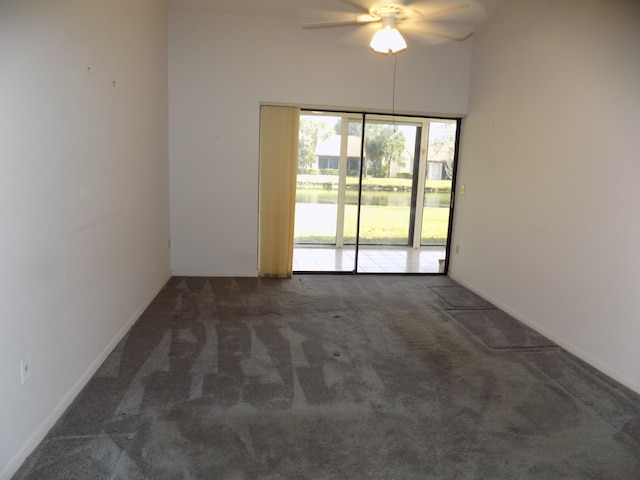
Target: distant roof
331 146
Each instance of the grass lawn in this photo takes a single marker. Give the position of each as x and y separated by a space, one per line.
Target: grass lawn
316 223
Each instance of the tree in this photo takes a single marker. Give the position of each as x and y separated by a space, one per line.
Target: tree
310 131
442 145
383 144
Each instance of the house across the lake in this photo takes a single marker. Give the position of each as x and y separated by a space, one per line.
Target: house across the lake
328 153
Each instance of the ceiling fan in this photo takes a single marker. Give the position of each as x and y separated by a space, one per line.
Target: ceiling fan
448 20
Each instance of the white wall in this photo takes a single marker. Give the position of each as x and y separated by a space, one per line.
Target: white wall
548 227
222 66
83 196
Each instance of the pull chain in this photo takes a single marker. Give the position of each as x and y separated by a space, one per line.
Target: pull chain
393 93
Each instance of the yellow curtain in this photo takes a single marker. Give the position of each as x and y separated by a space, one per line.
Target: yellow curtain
277 189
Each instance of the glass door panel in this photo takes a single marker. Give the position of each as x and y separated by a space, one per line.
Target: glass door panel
387 202
326 152
438 182
387 182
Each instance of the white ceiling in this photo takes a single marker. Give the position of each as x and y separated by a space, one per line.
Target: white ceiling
321 9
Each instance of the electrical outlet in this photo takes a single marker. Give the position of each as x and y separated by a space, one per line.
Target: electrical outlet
25 368
457 249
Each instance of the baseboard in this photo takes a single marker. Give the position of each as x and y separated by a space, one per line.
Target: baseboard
195 273
34 440
568 346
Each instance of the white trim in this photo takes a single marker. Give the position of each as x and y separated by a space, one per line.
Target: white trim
422 180
578 352
342 180
40 433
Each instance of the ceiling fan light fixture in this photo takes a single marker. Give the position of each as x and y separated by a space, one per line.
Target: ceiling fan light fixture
388 38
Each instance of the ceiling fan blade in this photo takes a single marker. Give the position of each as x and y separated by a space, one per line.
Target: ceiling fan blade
356 5
359 20
429 10
442 30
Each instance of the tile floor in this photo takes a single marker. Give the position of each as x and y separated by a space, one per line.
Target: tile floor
370 259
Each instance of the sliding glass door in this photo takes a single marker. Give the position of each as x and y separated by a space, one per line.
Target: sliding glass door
373 193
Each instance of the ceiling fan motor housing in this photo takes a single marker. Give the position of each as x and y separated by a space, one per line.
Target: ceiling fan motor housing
389 10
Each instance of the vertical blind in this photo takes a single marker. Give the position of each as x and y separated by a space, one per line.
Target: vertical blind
277 189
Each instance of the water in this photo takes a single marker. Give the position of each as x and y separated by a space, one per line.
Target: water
383 199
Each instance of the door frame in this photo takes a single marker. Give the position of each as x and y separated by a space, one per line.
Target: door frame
418 180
